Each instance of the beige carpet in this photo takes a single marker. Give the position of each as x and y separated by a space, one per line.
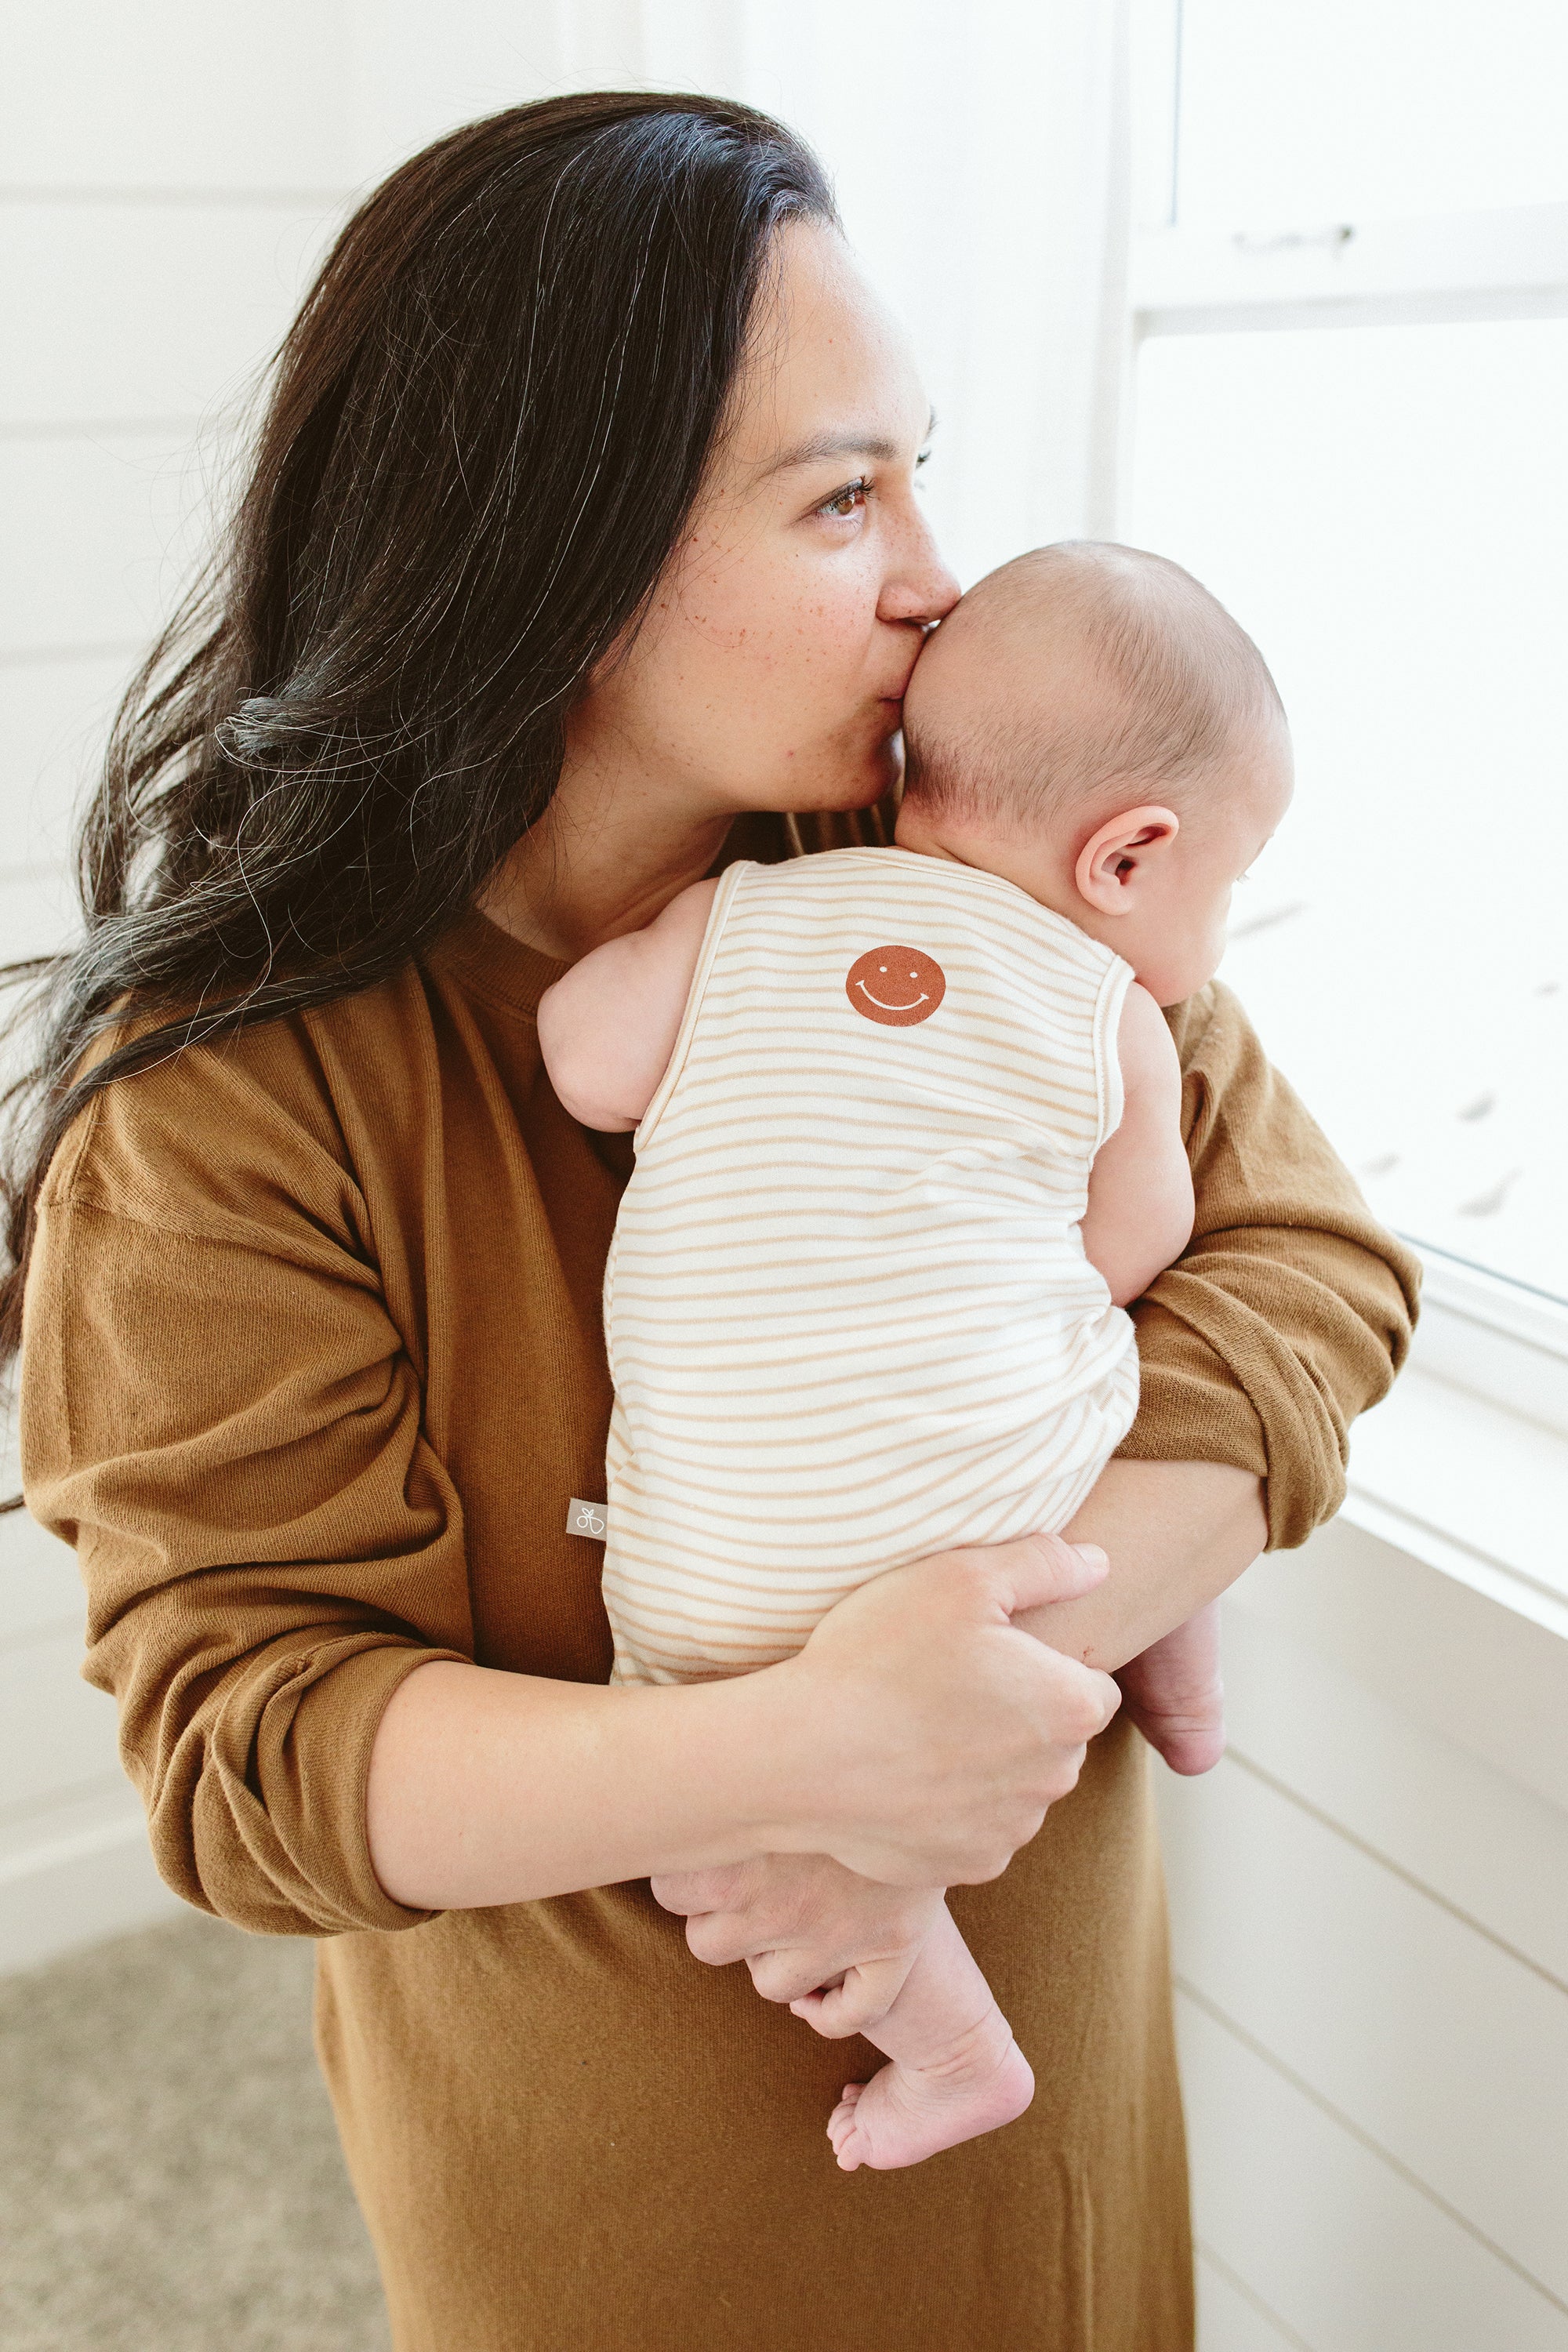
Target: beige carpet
169 2179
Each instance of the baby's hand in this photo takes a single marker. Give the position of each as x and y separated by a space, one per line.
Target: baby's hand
835 1946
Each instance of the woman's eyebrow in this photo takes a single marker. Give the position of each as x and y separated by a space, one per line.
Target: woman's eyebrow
823 445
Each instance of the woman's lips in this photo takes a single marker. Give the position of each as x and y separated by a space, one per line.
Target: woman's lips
896 694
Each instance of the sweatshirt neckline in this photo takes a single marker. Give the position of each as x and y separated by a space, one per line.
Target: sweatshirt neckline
492 965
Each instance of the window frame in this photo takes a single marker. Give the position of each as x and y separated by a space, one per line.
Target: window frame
1480 1332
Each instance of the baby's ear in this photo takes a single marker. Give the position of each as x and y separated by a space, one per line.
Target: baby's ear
1113 861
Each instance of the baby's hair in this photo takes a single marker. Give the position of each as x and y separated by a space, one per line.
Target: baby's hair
1177 686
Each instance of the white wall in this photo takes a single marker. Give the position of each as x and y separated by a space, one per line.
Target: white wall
168 171
1370 1921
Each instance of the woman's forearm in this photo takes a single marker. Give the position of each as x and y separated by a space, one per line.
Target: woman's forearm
1176 1533
499 1788
918 1738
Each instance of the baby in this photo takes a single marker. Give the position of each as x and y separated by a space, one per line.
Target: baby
908 1144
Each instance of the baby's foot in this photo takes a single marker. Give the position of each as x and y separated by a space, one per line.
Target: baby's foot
907 2113
1173 1693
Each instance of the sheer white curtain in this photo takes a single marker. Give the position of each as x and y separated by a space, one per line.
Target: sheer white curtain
980 160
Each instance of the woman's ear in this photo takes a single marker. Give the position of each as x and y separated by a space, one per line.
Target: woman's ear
1112 861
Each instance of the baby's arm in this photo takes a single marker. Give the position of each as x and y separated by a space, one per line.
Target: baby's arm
607 1030
1139 1214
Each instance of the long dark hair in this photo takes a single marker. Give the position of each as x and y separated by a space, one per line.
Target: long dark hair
485 433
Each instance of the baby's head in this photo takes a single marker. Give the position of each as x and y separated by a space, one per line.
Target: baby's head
1092 724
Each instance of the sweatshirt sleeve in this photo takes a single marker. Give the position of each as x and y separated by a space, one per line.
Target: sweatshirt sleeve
219 1414
1291 1309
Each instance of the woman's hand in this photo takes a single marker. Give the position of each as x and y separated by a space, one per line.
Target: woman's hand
941 1733
800 1921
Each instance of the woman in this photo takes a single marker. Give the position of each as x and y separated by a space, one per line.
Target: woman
581 547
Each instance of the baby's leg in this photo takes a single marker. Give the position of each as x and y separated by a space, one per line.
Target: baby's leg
1174 1695
956 2070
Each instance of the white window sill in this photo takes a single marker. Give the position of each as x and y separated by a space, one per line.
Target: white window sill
1443 1584
1465 1466
1469 1487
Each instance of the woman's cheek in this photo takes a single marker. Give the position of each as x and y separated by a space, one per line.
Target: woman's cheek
846 623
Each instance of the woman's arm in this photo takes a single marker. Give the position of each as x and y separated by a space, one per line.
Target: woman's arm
1291 1310
1177 1534
277 1595
918 1738
1287 1315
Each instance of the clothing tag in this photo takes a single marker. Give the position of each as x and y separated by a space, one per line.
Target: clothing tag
591 1519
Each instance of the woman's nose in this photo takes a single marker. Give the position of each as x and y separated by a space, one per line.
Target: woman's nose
921 588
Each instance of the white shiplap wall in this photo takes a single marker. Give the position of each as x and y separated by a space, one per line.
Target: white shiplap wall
1370 1918
167 173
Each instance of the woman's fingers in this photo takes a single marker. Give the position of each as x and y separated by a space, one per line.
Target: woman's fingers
1041 1569
799 1921
954 1729
860 2003
1081 1701
720 1937
685 1891
788 1976
721 1907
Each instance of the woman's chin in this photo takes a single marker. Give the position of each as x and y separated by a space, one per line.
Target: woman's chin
838 788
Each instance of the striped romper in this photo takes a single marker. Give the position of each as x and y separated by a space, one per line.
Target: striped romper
849 1318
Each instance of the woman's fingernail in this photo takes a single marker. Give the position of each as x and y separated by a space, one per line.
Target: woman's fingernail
1093 1555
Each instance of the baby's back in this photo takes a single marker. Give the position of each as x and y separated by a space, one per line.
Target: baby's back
849 1318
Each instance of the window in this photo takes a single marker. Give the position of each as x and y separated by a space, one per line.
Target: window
1348 383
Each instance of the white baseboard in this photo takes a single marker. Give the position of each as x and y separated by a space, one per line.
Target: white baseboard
76 1888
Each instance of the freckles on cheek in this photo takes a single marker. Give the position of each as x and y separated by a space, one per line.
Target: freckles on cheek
728 619
761 620
732 584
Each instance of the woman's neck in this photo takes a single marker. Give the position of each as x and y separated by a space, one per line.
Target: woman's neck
607 856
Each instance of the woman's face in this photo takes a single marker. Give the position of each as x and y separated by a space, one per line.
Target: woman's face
770 668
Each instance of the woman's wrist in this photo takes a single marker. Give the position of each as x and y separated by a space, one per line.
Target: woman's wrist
726 1769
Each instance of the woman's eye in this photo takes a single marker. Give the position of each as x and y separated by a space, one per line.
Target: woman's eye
844 502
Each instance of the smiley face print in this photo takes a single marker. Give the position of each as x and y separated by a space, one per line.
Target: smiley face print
896 987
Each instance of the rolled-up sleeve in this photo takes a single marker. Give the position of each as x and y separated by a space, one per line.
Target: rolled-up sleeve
219 1414
1291 1309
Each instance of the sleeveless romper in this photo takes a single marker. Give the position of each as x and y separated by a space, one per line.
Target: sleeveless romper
848 1313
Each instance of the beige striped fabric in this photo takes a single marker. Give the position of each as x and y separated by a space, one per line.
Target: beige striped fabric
849 1318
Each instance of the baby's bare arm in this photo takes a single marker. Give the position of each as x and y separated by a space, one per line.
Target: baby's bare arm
1139 1214
607 1030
